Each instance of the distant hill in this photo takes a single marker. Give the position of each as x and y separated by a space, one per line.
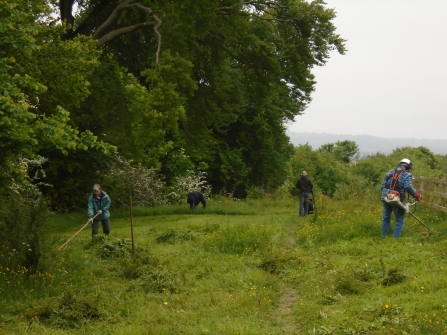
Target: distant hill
368 144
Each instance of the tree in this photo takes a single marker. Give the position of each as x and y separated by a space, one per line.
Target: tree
24 129
230 76
324 169
345 151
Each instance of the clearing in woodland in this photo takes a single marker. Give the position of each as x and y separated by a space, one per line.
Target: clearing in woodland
236 267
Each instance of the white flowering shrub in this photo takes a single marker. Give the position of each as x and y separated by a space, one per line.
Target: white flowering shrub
138 181
191 181
148 189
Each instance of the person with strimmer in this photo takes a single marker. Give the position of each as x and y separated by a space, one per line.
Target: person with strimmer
397 182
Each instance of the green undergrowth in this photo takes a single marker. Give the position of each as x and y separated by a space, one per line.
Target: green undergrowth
201 272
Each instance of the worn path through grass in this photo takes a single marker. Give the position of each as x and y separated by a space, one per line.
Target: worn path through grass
290 298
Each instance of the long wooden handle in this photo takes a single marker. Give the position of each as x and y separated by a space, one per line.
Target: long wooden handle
63 246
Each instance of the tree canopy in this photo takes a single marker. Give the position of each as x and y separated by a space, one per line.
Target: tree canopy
214 81
25 129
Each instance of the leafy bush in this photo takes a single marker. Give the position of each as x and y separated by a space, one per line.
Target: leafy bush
356 187
255 192
23 227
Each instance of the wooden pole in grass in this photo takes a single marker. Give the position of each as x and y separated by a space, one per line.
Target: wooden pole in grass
131 225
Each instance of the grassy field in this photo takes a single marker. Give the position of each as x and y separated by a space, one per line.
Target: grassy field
236 267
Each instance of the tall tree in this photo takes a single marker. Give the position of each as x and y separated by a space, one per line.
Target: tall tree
250 73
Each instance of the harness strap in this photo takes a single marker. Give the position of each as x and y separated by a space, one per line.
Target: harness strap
396 175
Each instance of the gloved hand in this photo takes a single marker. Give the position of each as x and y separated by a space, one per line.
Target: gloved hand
99 212
418 196
90 220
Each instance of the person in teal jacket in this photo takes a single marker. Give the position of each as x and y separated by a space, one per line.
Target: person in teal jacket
99 203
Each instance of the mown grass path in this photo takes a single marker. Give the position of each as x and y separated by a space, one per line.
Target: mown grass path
290 298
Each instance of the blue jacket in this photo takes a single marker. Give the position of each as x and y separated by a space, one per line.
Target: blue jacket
95 204
404 184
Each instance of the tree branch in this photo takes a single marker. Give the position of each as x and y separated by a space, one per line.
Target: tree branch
65 10
158 25
122 31
113 19
222 45
265 18
67 18
259 6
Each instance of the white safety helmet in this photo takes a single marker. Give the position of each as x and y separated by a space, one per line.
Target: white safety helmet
406 163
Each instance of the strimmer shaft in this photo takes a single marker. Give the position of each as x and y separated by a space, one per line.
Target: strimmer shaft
419 220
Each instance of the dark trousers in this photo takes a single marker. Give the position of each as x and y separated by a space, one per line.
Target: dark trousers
106 227
193 202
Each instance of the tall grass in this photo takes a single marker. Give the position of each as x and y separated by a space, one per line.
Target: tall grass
207 272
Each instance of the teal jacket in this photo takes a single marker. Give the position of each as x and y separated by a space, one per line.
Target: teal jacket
103 204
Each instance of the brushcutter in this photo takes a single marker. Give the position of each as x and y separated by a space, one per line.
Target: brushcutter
63 246
393 199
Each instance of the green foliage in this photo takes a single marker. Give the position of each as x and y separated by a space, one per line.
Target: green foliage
324 169
345 151
356 187
69 179
425 163
372 168
361 178
23 226
255 193
221 86
221 80
63 67
24 128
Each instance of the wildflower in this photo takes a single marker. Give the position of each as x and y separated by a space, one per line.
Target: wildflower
165 303
386 306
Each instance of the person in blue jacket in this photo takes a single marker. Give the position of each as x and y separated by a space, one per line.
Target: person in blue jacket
99 203
403 185
194 199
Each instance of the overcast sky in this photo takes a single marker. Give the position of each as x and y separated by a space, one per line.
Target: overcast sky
392 81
